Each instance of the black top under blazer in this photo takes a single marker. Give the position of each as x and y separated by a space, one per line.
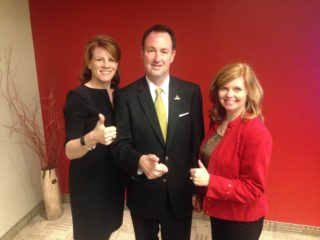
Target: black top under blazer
139 133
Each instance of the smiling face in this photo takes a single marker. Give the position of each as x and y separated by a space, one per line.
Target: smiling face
157 55
233 97
103 66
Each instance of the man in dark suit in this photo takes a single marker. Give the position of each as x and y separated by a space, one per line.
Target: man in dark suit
159 133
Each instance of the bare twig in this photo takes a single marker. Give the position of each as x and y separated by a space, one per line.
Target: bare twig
47 146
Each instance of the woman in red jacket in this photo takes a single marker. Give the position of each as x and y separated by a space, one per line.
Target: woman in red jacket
237 151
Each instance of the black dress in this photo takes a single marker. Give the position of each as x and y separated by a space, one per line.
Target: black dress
96 184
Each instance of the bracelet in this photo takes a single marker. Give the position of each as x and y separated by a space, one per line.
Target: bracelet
91 147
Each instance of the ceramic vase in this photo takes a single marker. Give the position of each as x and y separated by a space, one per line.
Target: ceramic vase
51 194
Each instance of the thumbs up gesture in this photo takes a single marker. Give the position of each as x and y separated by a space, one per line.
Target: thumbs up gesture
200 176
104 135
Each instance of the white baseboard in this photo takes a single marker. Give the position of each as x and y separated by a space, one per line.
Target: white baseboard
24 221
272 226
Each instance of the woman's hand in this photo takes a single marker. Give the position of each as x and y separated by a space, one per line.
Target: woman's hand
102 134
200 176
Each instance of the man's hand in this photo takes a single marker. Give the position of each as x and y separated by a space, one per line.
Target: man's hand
151 167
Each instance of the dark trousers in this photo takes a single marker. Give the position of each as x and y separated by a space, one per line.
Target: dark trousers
233 230
169 226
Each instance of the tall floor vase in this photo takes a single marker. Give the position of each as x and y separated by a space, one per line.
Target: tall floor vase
51 194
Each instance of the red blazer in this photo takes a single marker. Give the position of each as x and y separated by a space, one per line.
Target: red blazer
238 169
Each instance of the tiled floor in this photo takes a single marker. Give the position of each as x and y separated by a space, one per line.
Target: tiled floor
40 229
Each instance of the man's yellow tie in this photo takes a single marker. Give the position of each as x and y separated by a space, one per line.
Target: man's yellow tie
161 112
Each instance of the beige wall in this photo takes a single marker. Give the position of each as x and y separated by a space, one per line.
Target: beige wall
20 189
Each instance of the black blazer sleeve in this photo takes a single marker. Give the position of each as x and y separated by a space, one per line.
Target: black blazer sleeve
125 154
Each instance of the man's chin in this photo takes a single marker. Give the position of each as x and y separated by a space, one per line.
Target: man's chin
155 74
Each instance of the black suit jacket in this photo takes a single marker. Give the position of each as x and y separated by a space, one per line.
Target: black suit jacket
139 133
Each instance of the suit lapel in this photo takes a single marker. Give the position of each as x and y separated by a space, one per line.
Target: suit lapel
173 109
147 105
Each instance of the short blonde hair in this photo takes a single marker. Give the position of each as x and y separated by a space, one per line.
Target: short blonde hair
253 87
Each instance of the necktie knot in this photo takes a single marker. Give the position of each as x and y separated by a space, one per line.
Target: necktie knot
158 92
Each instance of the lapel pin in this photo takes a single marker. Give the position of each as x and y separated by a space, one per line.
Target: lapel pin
177 98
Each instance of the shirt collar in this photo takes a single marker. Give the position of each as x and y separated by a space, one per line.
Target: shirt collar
164 86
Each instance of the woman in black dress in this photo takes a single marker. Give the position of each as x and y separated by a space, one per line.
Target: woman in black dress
96 184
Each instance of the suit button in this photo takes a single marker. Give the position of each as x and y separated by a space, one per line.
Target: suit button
166 159
164 180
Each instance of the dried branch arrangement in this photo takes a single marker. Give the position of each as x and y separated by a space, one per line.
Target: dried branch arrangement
47 145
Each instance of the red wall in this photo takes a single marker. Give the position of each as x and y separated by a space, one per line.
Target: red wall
280 39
